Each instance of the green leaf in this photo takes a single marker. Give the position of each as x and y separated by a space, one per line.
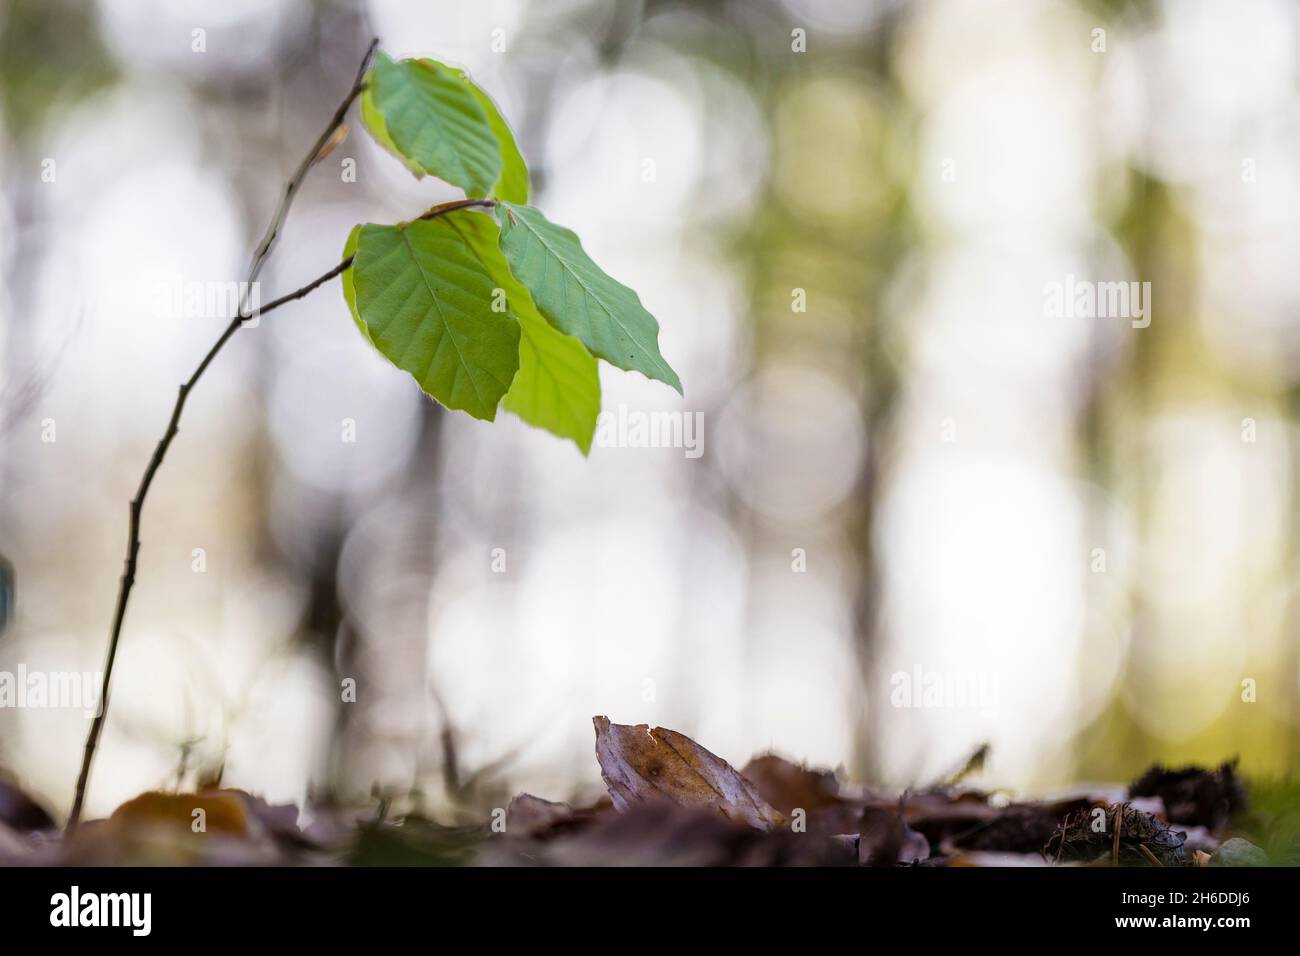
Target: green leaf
558 385
425 301
512 184
349 285
429 115
373 120
578 297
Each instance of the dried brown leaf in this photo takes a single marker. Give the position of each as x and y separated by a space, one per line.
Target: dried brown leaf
1116 834
662 833
332 143
786 785
639 763
884 839
1194 795
532 816
222 811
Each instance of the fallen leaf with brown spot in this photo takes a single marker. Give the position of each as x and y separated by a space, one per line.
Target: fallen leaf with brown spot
639 763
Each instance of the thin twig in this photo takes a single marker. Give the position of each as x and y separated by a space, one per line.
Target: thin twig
173 425
443 208
1155 860
318 152
1119 829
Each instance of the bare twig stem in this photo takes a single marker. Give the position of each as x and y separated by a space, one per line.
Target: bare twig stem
173 425
443 208
1119 830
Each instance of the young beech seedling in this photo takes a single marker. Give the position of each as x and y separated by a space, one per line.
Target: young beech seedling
484 301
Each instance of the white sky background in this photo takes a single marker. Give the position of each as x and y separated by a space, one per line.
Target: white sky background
633 588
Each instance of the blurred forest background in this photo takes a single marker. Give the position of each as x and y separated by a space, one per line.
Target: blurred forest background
920 474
